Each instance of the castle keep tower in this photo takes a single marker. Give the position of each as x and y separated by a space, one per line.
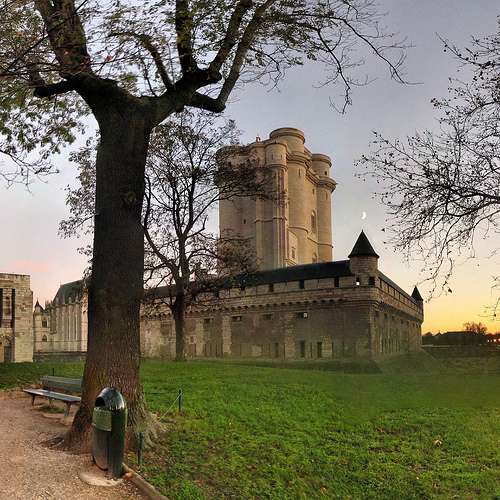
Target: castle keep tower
292 229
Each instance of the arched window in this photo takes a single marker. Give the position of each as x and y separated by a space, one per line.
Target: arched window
313 221
44 338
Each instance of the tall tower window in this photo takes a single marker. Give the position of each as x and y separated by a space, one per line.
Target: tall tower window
313 221
7 306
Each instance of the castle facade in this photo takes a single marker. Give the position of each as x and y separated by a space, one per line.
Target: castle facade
300 304
340 309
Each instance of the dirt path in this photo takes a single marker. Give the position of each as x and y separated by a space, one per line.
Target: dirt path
29 470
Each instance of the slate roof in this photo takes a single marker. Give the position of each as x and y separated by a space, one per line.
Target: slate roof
69 292
416 295
362 247
281 275
297 273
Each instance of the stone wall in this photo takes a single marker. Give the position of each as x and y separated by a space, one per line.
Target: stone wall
327 318
16 308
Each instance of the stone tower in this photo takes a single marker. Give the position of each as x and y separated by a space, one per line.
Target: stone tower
363 261
298 228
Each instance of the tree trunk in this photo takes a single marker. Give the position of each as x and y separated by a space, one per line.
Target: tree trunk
179 314
116 286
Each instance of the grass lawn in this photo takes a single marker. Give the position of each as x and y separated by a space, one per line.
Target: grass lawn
253 431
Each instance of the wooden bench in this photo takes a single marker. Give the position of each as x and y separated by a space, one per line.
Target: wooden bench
73 385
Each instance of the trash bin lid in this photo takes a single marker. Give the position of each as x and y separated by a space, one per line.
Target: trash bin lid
111 399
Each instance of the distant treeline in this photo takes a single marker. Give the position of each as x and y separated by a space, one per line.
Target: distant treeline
460 338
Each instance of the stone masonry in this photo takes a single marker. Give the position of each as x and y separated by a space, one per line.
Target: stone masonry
16 309
299 305
296 226
326 310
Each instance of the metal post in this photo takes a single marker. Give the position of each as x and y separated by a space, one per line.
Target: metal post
140 448
180 400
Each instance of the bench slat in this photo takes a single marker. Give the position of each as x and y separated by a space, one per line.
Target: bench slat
54 395
62 383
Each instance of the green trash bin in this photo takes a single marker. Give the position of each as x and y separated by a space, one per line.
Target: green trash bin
109 422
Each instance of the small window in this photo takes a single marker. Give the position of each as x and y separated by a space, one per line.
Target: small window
216 294
44 338
371 280
207 321
302 315
236 318
358 281
267 316
271 287
313 191
336 282
244 221
326 173
301 284
44 323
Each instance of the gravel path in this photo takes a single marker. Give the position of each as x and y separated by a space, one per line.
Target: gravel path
29 470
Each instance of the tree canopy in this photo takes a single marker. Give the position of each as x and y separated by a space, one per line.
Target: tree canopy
168 54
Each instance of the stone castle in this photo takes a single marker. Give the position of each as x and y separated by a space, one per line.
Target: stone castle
299 305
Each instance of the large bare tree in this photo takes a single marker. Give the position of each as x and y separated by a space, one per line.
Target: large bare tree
190 168
131 65
442 188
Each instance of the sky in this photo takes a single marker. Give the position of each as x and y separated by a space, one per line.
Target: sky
29 220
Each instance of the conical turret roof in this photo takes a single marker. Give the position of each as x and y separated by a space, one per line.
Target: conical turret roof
416 295
362 247
38 306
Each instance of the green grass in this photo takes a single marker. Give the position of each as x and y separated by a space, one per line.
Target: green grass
21 374
253 431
